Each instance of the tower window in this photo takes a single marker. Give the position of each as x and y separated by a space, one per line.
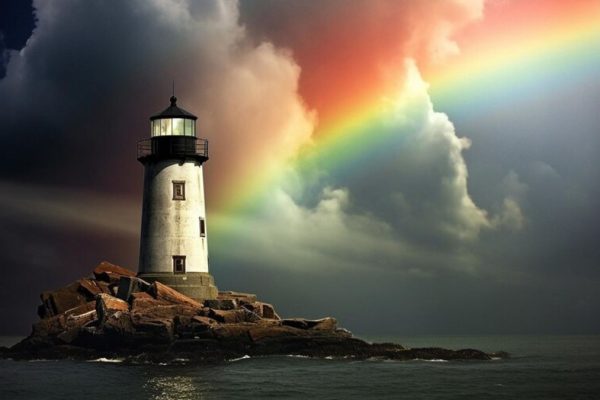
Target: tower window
178 190
202 227
179 264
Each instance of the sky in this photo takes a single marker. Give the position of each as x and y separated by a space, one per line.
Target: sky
409 167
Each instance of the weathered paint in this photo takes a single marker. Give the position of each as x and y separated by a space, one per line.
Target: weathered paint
172 227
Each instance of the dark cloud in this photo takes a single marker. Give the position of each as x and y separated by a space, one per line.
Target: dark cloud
431 239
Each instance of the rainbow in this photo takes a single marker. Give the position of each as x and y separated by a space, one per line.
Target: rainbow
528 61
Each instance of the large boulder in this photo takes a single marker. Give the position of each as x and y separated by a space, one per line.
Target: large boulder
106 305
51 326
221 304
162 292
111 273
64 298
233 316
142 300
81 309
152 327
129 285
240 297
316 324
119 324
262 332
264 310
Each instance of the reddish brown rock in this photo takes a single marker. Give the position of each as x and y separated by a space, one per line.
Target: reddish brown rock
203 320
141 301
80 320
168 311
89 288
66 298
238 296
317 324
233 316
264 310
159 329
129 285
110 273
45 310
163 292
239 331
261 332
119 323
49 326
83 308
221 304
106 305
103 286
325 324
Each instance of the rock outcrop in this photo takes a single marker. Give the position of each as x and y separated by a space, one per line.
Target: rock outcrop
116 314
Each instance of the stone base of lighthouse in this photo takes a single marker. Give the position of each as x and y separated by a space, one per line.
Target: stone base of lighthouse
197 285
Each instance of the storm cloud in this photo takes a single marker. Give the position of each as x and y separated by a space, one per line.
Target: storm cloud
436 224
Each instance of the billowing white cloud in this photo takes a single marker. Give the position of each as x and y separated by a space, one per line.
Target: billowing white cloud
416 216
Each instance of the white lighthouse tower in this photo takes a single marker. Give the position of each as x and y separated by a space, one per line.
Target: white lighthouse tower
173 244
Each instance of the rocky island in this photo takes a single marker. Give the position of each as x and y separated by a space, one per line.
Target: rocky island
115 314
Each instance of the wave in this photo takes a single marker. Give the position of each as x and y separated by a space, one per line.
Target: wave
245 357
107 360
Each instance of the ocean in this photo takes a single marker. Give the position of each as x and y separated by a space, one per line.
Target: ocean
541 367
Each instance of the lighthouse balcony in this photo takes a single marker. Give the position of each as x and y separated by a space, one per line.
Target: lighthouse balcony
177 147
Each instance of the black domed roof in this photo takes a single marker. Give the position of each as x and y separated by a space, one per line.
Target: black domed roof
173 112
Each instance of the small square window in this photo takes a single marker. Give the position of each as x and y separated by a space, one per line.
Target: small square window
202 227
179 264
178 190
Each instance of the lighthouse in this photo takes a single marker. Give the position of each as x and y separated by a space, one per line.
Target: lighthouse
174 235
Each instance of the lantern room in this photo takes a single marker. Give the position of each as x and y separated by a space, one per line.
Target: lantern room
173 121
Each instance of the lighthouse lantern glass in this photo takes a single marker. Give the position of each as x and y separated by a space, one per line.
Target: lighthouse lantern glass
172 127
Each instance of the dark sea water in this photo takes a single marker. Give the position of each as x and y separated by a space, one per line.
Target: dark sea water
542 367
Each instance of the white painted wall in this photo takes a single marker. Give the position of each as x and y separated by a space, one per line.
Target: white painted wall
172 227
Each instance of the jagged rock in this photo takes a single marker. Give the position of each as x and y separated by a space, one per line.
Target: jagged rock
106 305
157 322
317 324
155 328
45 310
110 273
193 326
261 332
325 324
233 316
239 331
143 300
63 299
238 296
74 323
81 309
119 323
80 320
89 288
221 304
129 285
49 326
168 311
264 310
163 292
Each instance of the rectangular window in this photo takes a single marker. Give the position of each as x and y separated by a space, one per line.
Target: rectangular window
202 227
178 190
179 264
